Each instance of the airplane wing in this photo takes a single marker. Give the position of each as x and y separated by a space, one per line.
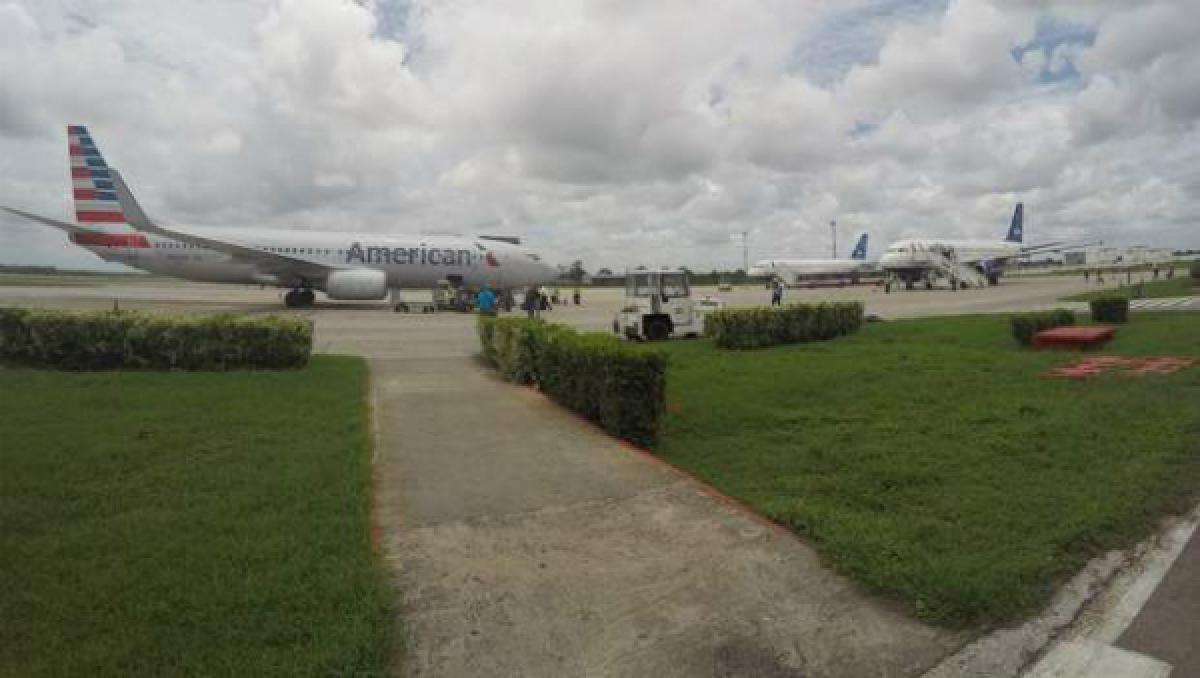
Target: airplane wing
274 263
63 225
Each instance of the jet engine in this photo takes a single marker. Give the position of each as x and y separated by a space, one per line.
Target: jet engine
357 283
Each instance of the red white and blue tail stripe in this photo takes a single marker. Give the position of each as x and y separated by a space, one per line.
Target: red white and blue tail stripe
95 196
97 208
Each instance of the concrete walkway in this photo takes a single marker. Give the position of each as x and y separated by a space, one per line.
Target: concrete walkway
526 543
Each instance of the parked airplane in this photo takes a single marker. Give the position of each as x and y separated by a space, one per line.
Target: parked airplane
814 271
962 262
361 266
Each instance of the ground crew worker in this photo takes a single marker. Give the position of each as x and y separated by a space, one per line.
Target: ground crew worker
486 301
533 301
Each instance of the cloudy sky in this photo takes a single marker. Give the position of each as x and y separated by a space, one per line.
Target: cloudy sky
621 132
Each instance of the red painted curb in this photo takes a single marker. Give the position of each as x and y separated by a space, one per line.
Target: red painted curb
703 487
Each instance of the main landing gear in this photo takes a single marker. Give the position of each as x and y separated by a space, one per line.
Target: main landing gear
299 298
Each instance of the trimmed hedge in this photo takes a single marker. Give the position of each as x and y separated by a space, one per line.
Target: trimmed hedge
620 387
1111 309
105 340
796 323
1025 325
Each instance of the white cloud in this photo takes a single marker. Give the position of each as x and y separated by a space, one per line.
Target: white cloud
616 132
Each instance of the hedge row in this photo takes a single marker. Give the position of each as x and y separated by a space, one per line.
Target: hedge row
1112 309
620 387
102 340
1025 325
792 324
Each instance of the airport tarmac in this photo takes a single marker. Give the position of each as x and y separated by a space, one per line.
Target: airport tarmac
595 313
523 541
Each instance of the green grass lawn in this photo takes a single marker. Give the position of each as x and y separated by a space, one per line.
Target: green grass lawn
931 461
188 524
1179 286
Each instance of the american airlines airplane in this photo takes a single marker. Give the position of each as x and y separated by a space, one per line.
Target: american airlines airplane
839 271
357 266
961 261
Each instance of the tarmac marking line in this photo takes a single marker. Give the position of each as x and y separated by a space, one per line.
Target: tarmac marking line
1095 655
1156 567
1091 659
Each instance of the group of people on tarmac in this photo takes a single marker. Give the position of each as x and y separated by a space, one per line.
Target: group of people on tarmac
1099 274
536 300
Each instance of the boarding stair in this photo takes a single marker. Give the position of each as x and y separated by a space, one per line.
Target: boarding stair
946 264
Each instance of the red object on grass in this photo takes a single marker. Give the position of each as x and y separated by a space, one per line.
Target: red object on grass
1074 337
1126 366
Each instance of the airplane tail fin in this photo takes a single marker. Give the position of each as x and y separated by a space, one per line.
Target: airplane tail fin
860 250
1016 231
96 204
134 214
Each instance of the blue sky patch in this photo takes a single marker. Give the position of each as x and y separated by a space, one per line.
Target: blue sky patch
1051 34
844 39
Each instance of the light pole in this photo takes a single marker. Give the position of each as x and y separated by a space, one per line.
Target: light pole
746 252
745 236
833 227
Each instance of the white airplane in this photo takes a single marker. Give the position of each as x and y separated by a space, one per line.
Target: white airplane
812 271
358 266
961 261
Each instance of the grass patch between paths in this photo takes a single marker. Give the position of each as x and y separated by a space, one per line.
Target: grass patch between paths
170 523
930 460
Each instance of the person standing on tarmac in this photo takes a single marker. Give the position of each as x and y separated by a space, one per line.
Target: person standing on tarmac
486 301
777 293
533 300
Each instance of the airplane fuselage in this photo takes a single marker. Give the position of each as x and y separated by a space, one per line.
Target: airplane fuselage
408 261
796 271
911 259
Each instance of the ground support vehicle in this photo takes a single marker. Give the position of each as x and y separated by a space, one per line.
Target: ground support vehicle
450 297
659 305
412 300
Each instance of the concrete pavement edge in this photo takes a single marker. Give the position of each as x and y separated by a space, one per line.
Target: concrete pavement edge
1079 606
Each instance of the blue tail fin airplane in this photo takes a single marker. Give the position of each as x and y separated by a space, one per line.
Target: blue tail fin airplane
860 250
814 272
